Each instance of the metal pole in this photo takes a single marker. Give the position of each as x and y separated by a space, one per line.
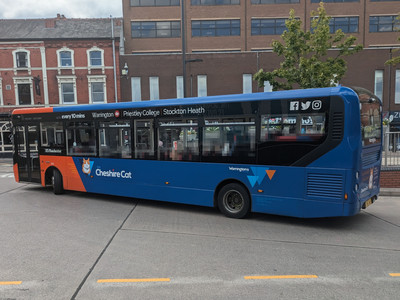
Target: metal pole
183 33
114 60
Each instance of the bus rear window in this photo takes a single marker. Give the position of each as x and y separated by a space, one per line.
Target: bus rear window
370 110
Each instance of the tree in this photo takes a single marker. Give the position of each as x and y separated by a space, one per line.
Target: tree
395 60
306 62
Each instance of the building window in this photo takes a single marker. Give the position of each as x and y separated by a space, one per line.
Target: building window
136 89
216 28
201 85
24 94
67 92
333 1
378 91
21 59
346 24
268 26
67 89
65 58
154 2
247 83
96 59
267 86
215 2
383 24
156 29
154 88
397 88
97 89
97 92
179 87
274 1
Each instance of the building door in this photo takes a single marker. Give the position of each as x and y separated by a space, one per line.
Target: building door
24 94
27 153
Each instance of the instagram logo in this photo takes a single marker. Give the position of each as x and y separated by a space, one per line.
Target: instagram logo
316 104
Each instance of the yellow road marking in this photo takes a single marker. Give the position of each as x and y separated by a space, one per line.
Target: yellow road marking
10 282
133 280
281 277
394 274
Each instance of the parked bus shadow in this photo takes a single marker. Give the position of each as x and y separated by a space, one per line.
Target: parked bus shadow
334 223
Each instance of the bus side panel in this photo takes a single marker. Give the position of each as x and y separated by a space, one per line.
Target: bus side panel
177 182
71 178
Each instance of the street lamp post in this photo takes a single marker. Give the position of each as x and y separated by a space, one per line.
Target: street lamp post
183 32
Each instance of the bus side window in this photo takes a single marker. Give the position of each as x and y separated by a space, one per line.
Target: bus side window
144 139
52 134
81 139
178 140
115 139
229 140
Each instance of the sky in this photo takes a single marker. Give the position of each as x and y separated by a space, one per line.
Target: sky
28 9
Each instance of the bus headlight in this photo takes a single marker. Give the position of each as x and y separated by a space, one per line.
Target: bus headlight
356 187
357 175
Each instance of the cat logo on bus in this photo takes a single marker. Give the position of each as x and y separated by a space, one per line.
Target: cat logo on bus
87 166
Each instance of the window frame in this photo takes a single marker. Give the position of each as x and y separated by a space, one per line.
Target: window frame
276 30
215 28
334 24
154 29
60 59
375 26
213 2
98 79
89 58
171 3
263 2
16 59
66 80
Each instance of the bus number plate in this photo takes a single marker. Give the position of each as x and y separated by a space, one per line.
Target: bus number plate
368 203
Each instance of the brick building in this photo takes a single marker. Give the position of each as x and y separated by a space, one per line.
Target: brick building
227 41
59 61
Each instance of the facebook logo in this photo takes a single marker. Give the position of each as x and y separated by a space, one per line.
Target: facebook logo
294 105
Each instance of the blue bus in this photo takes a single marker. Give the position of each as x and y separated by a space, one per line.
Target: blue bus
303 153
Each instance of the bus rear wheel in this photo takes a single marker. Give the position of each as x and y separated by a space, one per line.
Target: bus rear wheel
234 201
57 182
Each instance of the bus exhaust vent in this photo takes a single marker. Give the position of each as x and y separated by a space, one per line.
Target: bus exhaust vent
337 126
369 158
325 185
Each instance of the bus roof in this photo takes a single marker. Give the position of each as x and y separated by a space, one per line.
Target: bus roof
290 94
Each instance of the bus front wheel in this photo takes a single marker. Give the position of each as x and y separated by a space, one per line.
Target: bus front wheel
57 182
234 201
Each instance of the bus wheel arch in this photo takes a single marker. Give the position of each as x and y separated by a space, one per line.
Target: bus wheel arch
54 178
233 199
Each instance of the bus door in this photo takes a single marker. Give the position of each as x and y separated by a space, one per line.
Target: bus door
27 155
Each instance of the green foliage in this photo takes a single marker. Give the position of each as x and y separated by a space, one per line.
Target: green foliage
306 63
395 60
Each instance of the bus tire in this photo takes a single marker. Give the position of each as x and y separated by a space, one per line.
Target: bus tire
57 182
234 201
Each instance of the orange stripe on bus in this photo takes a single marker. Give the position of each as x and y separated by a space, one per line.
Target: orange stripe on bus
71 179
22 111
16 174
